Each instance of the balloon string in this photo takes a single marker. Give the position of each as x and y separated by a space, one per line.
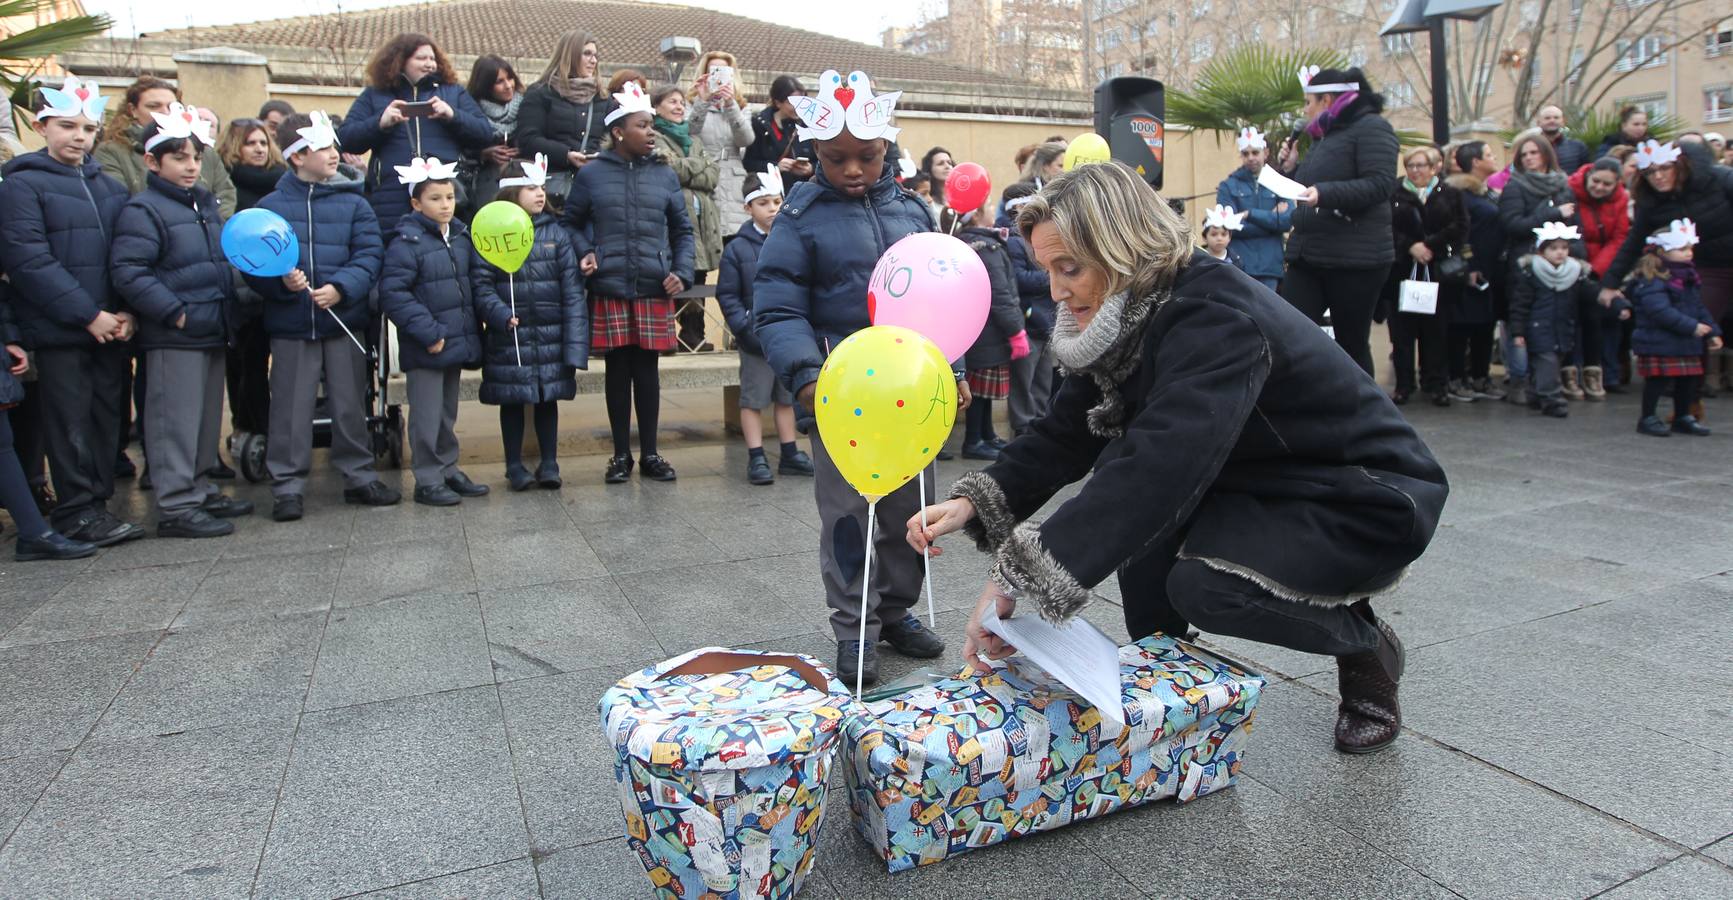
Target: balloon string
511 286
927 557
866 580
339 321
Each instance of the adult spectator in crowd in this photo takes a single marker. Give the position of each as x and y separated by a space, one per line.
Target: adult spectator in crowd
121 153
562 113
1473 304
255 164
1572 153
1429 222
412 106
498 90
1604 210
1268 217
1683 183
697 171
273 112
717 117
1031 375
938 163
1537 193
1633 130
776 140
1340 251
619 78
1045 163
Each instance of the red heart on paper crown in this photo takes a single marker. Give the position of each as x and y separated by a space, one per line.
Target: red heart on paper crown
845 96
82 93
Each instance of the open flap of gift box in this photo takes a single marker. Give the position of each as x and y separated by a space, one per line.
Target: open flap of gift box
974 761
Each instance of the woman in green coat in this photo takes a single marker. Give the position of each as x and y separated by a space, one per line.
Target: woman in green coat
699 173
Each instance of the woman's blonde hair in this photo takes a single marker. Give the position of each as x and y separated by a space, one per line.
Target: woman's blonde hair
235 136
1043 154
567 56
1111 219
1434 158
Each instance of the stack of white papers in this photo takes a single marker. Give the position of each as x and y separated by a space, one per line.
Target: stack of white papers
1077 654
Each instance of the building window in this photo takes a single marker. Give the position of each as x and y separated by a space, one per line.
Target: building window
1576 72
1643 53
1718 103
1399 94
1397 44
1356 56
1202 48
1720 38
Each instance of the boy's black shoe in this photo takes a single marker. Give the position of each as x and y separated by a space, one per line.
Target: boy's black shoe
436 495
220 471
1690 425
52 545
796 463
619 470
374 493
996 442
123 467
944 454
519 478
1440 398
225 507
461 484
758 471
657 469
1556 410
848 655
104 530
980 450
548 476
195 524
911 637
286 508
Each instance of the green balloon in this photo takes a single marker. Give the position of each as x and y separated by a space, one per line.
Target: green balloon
503 234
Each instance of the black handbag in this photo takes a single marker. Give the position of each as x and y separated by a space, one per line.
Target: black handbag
1452 269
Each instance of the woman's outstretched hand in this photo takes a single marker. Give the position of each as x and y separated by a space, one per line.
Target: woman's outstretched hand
942 518
978 639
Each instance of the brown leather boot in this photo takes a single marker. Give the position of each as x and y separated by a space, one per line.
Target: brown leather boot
1369 718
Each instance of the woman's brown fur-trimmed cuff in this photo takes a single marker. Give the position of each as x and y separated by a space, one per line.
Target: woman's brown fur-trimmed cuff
993 520
1025 568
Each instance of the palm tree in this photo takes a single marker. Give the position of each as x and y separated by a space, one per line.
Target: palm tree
23 55
1251 84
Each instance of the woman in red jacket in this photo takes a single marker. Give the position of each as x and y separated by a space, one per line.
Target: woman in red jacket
1604 208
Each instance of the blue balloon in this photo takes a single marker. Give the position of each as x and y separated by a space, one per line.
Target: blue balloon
260 242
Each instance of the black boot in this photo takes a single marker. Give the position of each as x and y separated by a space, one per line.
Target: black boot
1370 717
848 654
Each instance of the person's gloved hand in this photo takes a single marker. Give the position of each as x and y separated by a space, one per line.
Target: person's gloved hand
1020 345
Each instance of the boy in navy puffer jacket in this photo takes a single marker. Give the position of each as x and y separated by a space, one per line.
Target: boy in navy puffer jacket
809 294
57 213
168 263
316 316
428 292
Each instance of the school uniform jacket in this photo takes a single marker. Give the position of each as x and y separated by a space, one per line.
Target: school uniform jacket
553 332
168 262
631 213
340 245
56 222
428 291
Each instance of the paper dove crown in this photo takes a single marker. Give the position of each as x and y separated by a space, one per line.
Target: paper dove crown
1680 234
1307 73
632 99
535 173
316 136
1250 139
72 99
1220 216
429 169
852 106
179 122
1654 153
769 185
1556 231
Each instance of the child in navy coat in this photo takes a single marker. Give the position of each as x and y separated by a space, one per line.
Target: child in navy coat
168 264
1003 340
428 292
1673 328
1547 287
57 214
759 386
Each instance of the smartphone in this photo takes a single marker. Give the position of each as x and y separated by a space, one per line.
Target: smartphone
721 76
421 110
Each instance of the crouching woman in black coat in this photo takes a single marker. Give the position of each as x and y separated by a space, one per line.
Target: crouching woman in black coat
1248 478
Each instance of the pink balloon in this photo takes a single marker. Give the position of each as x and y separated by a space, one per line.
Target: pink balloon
934 284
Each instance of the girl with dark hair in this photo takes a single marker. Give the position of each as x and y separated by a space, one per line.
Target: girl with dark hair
1340 249
412 108
1633 130
562 112
777 142
938 163
500 93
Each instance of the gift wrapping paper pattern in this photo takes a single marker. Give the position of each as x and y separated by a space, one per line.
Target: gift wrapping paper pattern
723 777
971 762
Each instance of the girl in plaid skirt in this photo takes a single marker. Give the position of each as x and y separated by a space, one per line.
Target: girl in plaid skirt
1673 327
628 222
1002 340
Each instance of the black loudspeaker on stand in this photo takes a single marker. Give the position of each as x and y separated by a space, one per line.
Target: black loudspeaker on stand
1131 113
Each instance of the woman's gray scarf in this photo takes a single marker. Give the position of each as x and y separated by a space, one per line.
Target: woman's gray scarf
502 115
1543 185
1107 351
1560 277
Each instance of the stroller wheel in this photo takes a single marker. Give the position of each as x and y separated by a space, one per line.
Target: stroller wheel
249 453
392 438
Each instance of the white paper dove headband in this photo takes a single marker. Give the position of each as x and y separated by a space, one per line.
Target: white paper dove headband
72 99
1250 139
769 185
429 169
1680 234
535 173
1556 231
632 99
1307 73
316 136
1655 153
850 105
179 122
1220 216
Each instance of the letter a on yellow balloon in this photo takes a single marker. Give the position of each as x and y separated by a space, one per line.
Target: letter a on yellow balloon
886 401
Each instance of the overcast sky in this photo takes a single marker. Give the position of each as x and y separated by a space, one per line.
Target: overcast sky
132 16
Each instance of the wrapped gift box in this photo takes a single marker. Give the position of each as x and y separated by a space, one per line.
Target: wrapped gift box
966 763
723 765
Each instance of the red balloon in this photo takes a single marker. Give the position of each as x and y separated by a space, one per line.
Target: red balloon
967 188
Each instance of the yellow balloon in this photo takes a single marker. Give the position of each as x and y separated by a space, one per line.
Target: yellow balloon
886 401
1089 147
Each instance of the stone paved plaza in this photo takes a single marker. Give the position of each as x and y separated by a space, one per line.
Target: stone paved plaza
403 701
